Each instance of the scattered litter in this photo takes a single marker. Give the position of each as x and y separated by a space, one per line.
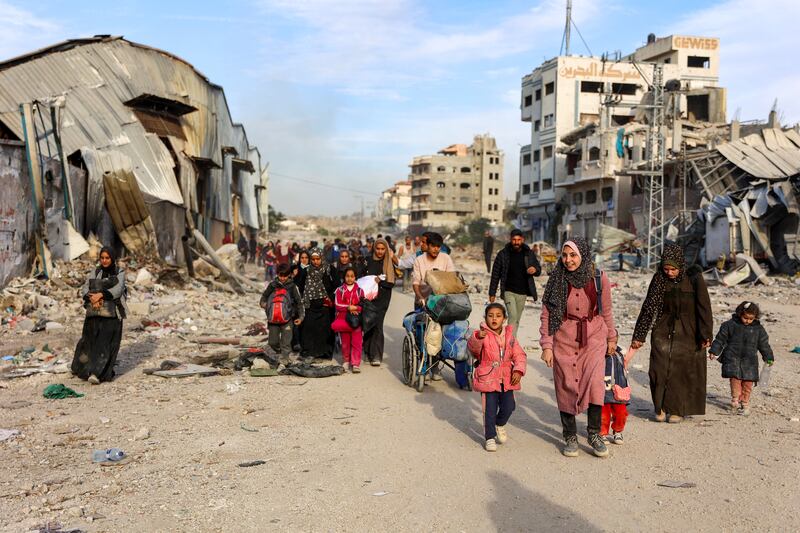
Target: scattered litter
251 463
796 349
186 370
677 484
263 372
381 493
6 434
112 455
248 428
59 391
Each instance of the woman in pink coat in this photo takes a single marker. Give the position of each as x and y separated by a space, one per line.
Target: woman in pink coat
577 332
500 365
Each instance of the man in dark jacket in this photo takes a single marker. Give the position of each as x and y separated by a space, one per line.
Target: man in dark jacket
514 269
488 249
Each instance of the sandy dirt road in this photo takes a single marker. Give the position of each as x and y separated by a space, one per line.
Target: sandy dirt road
366 453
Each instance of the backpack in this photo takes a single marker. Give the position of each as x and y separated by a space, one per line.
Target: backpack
280 307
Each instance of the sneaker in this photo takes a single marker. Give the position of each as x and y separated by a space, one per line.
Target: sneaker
356 370
570 448
616 438
675 419
502 434
598 445
745 411
375 363
734 408
346 366
93 380
491 445
661 417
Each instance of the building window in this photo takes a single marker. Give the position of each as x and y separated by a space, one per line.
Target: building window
535 187
607 193
440 198
547 184
440 185
698 62
538 94
465 185
591 197
536 125
528 100
440 169
594 153
526 189
547 152
495 207
624 88
526 159
549 88
548 120
591 86
464 199
438 212
536 156
465 170
577 198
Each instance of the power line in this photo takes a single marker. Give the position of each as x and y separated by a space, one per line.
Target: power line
321 184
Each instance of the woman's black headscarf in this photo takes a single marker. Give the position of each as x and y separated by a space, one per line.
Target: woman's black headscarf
557 288
112 269
654 302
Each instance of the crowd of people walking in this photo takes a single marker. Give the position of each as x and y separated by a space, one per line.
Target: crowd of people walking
314 303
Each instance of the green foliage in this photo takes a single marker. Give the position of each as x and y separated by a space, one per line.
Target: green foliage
471 232
274 220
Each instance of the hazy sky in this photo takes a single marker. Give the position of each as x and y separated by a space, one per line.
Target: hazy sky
346 92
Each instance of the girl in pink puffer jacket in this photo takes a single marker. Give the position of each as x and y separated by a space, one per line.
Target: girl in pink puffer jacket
499 367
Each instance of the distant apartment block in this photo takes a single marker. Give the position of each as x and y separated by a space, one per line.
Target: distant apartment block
394 205
458 184
570 173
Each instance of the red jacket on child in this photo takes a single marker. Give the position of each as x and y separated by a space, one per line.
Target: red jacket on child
493 368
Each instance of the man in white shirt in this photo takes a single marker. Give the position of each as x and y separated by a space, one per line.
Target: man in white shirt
432 259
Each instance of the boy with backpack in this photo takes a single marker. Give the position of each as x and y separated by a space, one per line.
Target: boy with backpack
282 302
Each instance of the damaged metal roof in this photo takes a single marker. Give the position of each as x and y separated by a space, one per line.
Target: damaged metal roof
101 81
770 154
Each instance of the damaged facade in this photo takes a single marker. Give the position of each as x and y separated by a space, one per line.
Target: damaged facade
586 128
394 206
458 184
132 122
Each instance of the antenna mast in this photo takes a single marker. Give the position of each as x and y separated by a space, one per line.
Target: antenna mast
567 27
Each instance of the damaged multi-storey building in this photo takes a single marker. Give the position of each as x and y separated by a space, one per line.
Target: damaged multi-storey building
149 145
584 118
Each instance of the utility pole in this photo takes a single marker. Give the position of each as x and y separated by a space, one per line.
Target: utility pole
656 153
568 27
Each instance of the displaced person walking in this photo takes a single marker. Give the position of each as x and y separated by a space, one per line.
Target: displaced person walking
380 264
737 345
407 254
514 269
104 296
577 333
499 366
283 304
347 300
678 309
318 286
488 249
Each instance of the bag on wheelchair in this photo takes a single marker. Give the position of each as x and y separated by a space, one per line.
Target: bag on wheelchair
447 308
454 340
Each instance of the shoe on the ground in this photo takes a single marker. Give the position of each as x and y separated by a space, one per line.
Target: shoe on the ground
661 417
375 363
436 373
346 366
93 380
675 419
491 445
502 434
745 411
356 369
734 408
616 438
598 444
570 448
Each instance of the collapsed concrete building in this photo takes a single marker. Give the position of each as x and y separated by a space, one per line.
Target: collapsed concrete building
149 145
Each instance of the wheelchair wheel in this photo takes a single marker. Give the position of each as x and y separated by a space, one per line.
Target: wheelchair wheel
420 376
409 352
